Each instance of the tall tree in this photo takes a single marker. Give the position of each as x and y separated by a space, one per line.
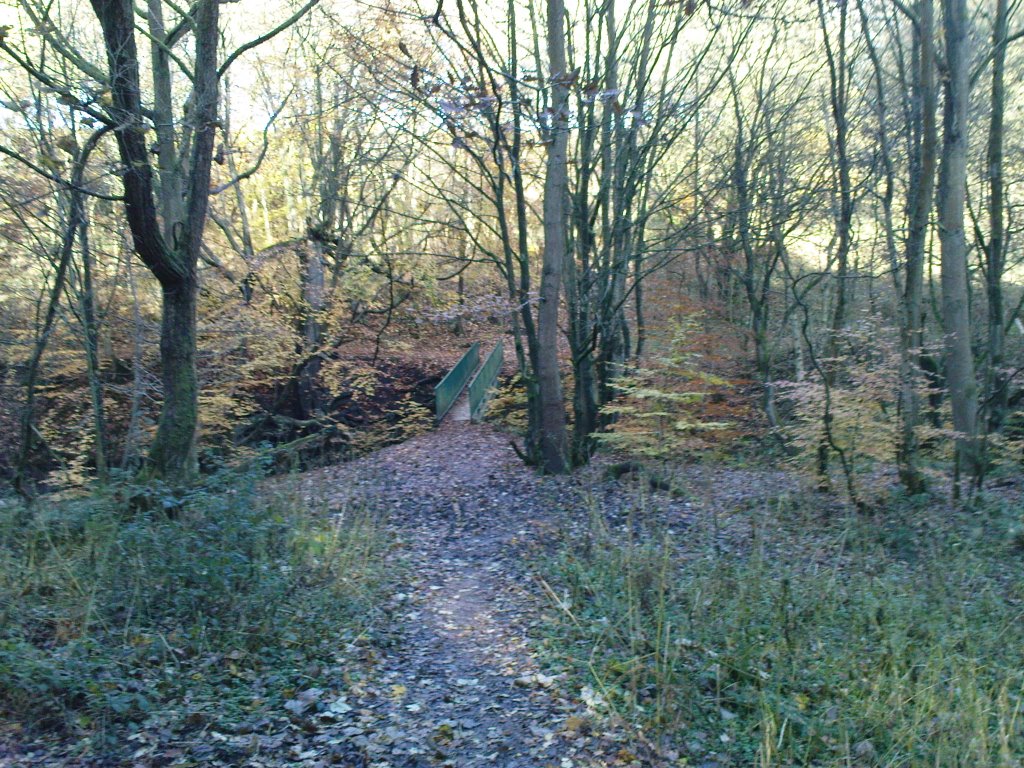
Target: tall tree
920 135
554 443
636 98
488 113
837 57
956 319
920 194
170 253
997 389
166 199
75 219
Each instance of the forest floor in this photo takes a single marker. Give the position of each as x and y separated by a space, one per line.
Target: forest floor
457 666
465 679
583 621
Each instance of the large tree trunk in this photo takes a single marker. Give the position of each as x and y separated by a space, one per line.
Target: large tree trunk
554 444
172 455
997 389
920 193
956 320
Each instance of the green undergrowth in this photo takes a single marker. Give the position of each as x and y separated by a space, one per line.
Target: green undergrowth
207 608
798 641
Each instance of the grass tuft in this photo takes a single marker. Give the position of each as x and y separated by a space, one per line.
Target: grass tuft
802 642
217 604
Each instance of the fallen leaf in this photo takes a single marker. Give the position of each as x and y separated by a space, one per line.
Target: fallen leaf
303 701
536 680
575 723
339 706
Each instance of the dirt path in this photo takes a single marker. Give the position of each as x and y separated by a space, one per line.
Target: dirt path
461 684
454 672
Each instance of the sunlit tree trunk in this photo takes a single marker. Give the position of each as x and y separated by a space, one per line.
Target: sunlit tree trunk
554 444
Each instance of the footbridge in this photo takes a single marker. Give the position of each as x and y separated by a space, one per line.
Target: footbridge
466 389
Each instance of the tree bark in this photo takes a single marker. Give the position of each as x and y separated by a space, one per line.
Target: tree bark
952 193
311 265
172 455
920 194
90 332
997 382
170 192
173 452
554 445
839 102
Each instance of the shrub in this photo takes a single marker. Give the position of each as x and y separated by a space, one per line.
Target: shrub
109 613
894 645
674 407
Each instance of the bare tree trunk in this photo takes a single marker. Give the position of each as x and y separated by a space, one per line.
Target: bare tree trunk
170 189
956 321
21 482
173 452
311 331
90 332
76 214
638 303
997 390
584 400
172 257
759 212
836 56
554 444
130 452
920 194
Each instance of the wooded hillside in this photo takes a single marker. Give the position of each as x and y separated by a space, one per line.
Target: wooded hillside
214 244
242 239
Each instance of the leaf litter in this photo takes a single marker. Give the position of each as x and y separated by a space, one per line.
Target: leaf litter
459 680
454 673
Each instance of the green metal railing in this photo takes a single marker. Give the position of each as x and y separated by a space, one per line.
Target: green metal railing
451 386
481 385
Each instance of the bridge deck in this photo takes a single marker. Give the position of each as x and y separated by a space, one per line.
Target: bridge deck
460 411
474 392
